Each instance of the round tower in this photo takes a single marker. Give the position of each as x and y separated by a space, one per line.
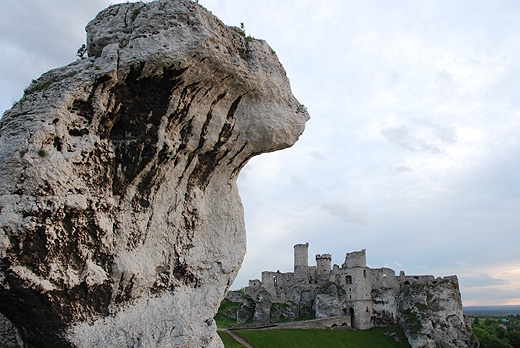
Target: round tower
301 255
323 263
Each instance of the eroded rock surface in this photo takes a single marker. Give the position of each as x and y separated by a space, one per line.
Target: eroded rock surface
431 315
121 223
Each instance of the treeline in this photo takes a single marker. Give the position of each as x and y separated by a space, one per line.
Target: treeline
497 332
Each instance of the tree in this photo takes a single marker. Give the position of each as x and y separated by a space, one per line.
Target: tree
494 342
481 334
514 338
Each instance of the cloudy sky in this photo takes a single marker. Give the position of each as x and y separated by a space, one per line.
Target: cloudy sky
413 149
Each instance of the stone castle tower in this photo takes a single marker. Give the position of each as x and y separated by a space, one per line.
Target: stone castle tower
301 261
323 263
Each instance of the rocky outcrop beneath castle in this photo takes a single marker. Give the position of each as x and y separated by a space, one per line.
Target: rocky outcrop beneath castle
121 223
431 315
330 301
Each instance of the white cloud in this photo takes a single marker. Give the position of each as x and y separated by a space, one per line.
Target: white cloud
482 280
345 213
401 169
404 137
316 155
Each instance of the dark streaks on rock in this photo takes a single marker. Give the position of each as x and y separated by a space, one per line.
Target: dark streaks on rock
142 102
120 212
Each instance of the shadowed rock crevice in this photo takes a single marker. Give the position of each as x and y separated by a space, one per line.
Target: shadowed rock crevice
120 219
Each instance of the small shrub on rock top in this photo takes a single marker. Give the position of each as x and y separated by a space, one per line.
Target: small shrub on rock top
81 51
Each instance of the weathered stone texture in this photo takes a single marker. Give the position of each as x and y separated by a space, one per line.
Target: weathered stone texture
431 315
121 223
9 336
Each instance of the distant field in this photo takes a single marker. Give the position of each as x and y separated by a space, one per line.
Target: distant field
376 337
491 310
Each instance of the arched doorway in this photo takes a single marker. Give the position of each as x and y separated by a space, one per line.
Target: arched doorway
351 313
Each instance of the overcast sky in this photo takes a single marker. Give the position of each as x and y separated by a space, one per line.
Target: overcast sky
413 149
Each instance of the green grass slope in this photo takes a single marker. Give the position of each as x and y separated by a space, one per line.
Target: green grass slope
376 337
229 342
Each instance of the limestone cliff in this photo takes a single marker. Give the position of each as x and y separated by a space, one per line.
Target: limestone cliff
431 315
121 223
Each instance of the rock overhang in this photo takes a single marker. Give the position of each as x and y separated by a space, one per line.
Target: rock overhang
121 161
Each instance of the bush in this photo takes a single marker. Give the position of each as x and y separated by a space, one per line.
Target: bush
514 338
494 342
36 87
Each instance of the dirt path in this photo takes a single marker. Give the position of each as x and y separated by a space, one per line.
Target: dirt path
238 339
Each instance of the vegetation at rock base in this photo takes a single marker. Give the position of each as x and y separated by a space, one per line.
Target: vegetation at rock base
389 337
223 317
497 332
413 322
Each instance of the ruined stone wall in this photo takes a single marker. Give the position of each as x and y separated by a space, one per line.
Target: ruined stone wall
383 278
278 284
422 279
355 259
362 314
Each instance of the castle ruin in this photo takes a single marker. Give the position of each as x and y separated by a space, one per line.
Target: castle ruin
365 297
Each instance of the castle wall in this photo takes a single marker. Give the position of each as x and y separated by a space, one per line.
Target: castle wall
362 314
369 296
383 278
355 259
255 283
416 279
357 283
302 274
278 284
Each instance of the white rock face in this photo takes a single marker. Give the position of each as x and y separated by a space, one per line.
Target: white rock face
121 222
431 315
330 301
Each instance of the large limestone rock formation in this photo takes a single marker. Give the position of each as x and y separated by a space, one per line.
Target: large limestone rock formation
431 315
121 223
